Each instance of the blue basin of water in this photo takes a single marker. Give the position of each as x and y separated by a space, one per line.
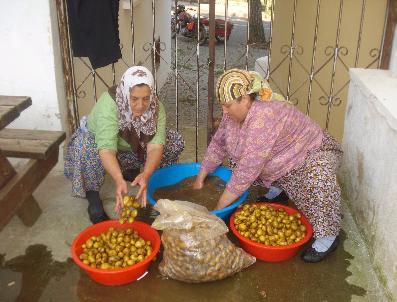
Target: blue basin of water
171 175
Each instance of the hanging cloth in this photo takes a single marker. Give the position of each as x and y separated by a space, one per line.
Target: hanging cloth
94 30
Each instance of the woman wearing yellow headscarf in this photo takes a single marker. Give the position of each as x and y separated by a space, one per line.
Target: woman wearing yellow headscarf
273 142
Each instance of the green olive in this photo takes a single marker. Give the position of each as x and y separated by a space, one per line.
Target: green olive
242 227
268 225
129 211
130 262
109 250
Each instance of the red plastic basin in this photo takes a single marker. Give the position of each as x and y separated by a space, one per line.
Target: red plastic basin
272 253
116 276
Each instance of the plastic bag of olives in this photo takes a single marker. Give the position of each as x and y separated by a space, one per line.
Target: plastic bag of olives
196 248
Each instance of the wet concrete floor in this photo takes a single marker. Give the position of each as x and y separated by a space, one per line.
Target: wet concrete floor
36 276
35 263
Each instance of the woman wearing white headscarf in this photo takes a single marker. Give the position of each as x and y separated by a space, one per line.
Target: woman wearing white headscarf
125 130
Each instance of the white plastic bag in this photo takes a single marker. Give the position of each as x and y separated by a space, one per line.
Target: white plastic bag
196 248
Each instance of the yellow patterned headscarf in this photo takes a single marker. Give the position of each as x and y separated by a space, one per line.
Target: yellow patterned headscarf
235 83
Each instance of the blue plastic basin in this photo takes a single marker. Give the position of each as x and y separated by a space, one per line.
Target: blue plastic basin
171 175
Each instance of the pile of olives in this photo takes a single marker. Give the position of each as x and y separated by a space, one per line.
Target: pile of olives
115 249
129 210
268 225
188 259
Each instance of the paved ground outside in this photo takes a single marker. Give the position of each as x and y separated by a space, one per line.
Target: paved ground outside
189 75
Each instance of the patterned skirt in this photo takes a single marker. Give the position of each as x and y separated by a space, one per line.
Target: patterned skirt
84 168
314 188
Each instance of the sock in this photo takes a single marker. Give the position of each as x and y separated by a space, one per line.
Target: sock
273 192
323 244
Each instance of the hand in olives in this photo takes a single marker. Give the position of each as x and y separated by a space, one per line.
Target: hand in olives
129 210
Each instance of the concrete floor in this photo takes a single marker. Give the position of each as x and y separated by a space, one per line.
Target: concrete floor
35 264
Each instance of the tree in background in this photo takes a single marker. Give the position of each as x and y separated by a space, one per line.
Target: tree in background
257 32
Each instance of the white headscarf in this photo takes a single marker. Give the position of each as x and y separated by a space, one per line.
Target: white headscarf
146 123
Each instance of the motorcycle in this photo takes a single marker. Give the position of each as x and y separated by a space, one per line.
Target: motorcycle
186 24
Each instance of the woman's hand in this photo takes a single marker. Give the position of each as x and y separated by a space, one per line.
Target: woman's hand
221 204
141 180
199 181
226 199
198 184
121 191
111 165
153 158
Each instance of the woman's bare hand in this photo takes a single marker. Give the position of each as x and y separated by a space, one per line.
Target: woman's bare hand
198 185
121 191
141 180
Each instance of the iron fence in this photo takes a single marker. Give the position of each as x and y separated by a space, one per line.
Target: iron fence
311 86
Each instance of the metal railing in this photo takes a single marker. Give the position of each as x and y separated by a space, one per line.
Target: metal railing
289 55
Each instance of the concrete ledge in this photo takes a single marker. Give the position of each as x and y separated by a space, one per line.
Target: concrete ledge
380 88
369 170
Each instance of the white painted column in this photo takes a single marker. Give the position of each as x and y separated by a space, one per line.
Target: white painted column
163 29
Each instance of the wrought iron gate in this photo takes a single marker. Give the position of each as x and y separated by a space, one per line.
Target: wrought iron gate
309 47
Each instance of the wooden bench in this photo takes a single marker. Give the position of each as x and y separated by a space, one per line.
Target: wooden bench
17 185
38 144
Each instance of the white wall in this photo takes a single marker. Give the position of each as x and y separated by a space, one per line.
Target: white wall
30 61
369 170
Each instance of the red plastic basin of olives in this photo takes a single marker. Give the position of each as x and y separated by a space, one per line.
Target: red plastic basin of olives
116 276
272 253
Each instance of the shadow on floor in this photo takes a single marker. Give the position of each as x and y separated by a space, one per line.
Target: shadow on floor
36 268
292 280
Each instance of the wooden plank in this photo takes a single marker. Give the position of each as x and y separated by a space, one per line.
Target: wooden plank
22 185
20 102
30 143
30 134
11 107
7 115
6 170
25 148
29 211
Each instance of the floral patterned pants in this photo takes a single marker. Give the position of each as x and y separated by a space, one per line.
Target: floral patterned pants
314 188
84 168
